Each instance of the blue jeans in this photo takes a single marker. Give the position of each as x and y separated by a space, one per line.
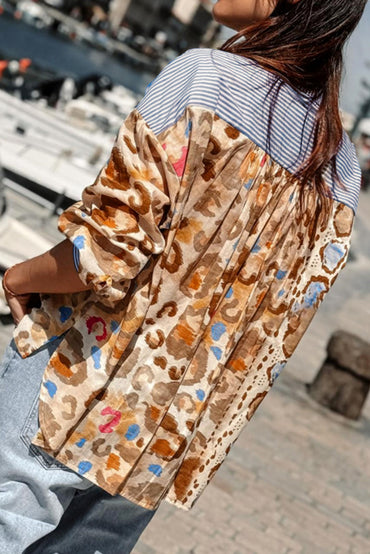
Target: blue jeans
46 508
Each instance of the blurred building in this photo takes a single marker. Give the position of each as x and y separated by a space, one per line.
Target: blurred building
186 23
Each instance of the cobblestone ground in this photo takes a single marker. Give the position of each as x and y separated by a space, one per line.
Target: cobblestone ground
298 478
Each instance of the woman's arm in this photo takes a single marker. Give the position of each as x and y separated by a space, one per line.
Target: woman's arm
116 227
51 272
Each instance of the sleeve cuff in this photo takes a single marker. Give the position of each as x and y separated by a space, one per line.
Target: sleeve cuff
76 257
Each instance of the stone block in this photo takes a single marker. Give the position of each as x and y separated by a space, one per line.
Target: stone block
343 382
349 351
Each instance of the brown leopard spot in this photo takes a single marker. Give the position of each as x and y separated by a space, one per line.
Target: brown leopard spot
62 364
215 146
232 132
174 260
128 453
160 361
209 170
255 403
184 476
132 400
169 423
169 307
129 144
174 373
71 400
113 462
155 341
96 448
162 448
343 220
163 392
49 418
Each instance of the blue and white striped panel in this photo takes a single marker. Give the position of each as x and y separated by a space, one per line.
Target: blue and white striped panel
239 91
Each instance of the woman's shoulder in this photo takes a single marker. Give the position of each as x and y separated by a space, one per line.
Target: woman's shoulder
216 63
241 93
213 79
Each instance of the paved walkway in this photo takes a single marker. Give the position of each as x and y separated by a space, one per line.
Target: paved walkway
298 478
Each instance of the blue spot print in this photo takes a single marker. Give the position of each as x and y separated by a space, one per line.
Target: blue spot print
229 293
248 184
80 443
84 467
276 370
333 255
65 313
217 351
235 244
188 129
281 292
291 197
201 394
256 248
132 432
217 330
312 294
156 469
281 274
51 388
114 325
79 242
96 354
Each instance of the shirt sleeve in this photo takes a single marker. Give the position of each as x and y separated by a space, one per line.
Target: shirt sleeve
115 227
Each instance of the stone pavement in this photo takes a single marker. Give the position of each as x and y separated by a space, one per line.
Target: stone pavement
298 477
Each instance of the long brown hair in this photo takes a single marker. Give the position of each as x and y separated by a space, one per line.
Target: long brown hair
302 45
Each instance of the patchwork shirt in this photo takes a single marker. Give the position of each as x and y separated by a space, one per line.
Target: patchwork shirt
205 271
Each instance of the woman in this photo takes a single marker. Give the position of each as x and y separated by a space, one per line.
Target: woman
202 250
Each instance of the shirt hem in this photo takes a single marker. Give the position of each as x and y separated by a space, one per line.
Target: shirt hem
142 503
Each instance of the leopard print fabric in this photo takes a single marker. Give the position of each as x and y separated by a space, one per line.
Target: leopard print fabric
205 272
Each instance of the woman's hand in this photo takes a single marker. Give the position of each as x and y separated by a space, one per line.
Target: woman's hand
18 303
50 273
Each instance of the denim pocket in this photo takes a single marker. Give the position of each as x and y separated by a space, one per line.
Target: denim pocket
8 357
35 365
29 430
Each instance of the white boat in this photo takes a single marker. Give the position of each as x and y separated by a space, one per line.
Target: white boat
50 156
33 14
88 114
120 100
18 242
41 149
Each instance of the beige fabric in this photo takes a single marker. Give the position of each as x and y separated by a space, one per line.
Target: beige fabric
206 274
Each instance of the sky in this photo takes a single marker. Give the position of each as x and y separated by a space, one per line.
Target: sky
357 52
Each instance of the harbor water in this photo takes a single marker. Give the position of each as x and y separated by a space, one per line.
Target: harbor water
56 53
